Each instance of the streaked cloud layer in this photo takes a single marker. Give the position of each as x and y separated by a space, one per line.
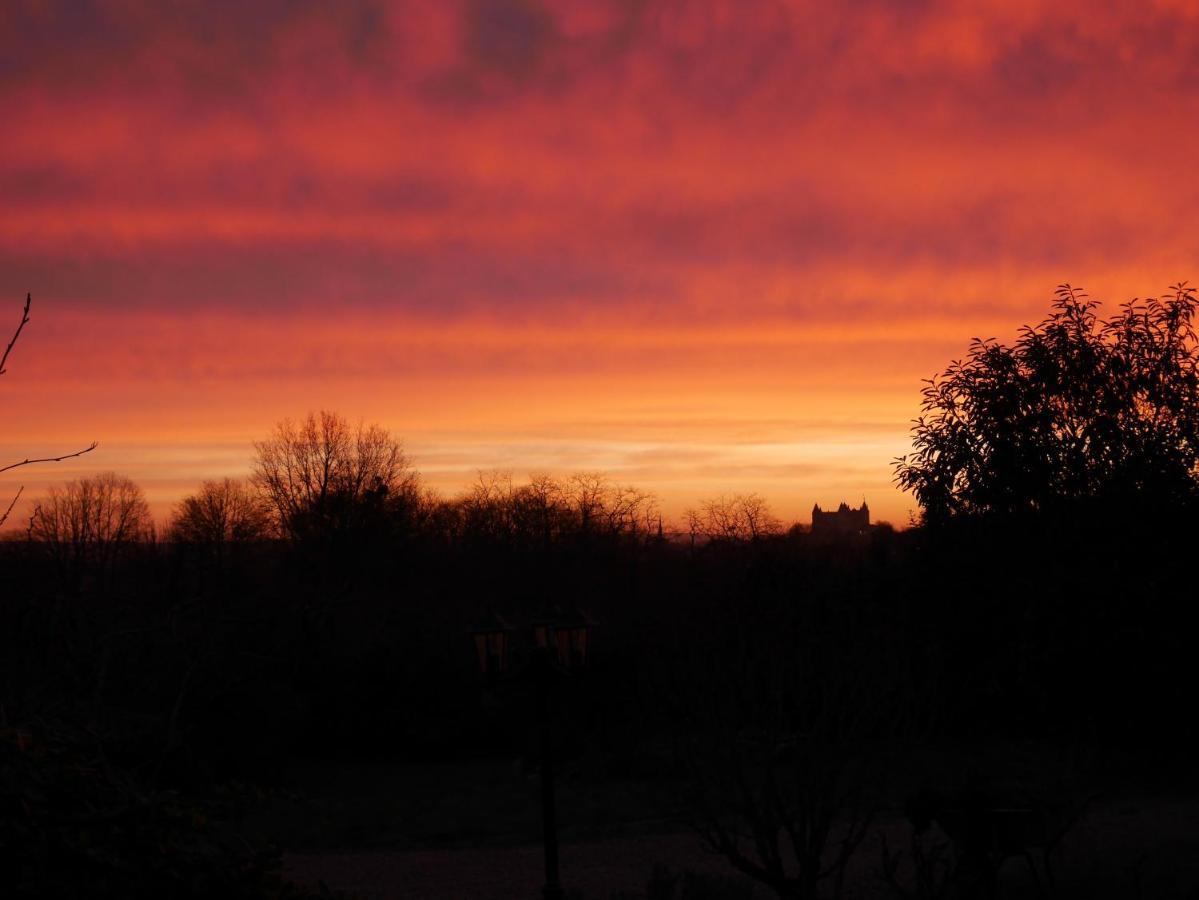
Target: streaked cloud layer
708 246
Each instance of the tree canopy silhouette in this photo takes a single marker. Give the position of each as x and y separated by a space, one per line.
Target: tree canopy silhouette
1078 410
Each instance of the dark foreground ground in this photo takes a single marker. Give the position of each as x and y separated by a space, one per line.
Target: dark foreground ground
470 831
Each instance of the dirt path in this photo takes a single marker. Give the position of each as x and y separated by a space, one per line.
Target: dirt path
1147 847
600 869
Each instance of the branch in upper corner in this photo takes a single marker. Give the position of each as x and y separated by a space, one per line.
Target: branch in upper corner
17 333
29 462
8 512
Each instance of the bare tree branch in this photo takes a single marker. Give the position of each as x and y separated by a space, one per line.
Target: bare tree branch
17 333
29 462
8 512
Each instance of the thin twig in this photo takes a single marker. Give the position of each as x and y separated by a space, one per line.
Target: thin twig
7 512
29 462
17 334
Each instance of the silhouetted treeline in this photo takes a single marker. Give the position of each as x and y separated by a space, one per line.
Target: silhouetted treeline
360 647
258 627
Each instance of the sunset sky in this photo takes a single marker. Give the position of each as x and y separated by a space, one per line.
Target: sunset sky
707 247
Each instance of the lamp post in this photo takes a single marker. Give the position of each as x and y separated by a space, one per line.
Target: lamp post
559 648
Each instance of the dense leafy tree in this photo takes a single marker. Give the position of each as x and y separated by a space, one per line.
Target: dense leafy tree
1078 410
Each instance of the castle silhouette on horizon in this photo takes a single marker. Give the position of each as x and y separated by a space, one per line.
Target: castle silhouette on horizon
844 520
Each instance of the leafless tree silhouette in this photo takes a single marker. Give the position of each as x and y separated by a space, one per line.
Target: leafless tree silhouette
221 512
317 474
777 723
741 517
90 521
546 508
28 461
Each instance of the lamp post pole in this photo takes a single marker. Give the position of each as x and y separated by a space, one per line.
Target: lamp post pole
544 673
560 649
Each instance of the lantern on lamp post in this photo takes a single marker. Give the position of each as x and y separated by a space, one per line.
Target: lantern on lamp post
563 633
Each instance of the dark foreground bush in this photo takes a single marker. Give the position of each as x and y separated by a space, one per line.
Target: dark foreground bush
73 825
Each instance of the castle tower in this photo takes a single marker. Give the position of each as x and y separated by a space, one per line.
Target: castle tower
845 521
